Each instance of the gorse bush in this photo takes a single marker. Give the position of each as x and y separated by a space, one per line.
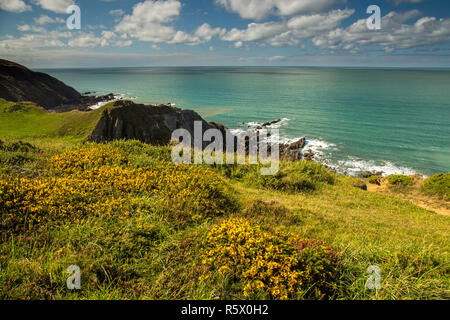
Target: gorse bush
18 146
399 180
374 180
16 153
271 265
89 182
295 176
292 176
438 184
91 156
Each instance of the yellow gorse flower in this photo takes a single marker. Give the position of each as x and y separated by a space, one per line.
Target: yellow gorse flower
95 181
277 265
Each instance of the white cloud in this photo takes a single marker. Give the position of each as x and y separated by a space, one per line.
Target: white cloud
88 40
24 28
146 23
58 6
44 19
28 28
45 39
268 59
108 35
149 22
259 9
395 34
117 12
14 6
288 33
107 38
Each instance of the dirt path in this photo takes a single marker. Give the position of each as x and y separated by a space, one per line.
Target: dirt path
429 203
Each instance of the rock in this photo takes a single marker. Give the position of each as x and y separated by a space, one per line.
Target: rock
300 144
150 124
291 155
368 174
266 124
292 151
309 155
360 185
17 83
215 125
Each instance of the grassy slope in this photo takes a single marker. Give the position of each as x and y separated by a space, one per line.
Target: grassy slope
26 120
408 243
401 238
414 194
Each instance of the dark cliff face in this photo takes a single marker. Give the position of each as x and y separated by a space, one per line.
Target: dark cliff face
17 83
149 124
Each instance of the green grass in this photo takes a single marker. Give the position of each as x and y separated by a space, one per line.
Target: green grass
27 120
438 184
399 180
374 180
155 254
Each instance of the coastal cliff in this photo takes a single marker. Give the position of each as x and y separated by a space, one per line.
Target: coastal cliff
118 120
18 83
146 123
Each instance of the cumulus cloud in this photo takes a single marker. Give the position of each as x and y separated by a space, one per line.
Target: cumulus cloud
147 22
44 19
44 39
150 20
260 9
58 6
88 40
107 38
395 33
289 32
14 6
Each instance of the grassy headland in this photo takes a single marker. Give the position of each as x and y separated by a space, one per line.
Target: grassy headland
140 227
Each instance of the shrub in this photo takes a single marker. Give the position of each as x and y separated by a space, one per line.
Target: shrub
16 153
360 185
399 180
294 177
262 208
15 158
374 180
90 183
141 154
271 265
18 146
438 184
88 157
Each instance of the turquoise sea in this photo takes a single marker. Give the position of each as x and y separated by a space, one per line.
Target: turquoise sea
393 120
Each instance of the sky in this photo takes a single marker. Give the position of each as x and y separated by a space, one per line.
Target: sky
128 33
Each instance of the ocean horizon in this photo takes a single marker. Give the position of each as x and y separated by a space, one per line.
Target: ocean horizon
394 120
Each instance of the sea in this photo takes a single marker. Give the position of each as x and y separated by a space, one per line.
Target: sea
392 120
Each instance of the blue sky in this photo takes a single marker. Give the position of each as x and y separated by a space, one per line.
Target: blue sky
414 33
